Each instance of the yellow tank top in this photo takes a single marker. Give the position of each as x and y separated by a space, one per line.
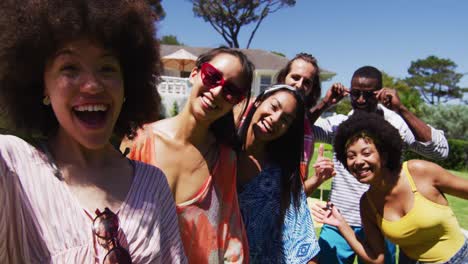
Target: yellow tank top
429 232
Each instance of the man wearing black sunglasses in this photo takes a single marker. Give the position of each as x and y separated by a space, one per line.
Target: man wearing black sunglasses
366 94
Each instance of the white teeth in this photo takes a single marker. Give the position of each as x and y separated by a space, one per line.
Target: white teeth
209 103
91 108
266 126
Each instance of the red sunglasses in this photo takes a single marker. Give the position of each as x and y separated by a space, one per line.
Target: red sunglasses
106 228
212 78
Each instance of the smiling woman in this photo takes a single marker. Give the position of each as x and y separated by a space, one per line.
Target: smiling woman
271 195
73 74
195 151
405 202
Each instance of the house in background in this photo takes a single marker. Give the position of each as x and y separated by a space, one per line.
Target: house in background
174 86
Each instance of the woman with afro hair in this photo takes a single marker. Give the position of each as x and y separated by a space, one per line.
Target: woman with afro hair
72 75
405 202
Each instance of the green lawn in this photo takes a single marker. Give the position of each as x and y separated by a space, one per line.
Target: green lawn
459 206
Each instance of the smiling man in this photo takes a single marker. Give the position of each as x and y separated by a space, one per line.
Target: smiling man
368 95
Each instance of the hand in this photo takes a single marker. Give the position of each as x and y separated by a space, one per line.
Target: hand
336 92
324 167
389 98
327 213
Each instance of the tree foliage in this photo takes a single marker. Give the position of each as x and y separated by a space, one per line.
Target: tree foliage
343 107
170 40
227 17
175 109
436 79
157 9
452 119
409 96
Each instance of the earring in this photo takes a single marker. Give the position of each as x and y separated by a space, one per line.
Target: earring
46 100
124 99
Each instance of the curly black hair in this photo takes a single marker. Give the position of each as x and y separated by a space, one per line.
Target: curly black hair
312 98
285 151
363 124
224 128
31 31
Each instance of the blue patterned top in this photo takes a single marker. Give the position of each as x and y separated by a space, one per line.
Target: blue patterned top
259 201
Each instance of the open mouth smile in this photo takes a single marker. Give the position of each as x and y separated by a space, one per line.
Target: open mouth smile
208 103
91 115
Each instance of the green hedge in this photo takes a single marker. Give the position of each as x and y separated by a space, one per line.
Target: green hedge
457 158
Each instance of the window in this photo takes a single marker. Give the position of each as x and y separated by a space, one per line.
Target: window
265 82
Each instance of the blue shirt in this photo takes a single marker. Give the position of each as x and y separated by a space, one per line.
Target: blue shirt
295 241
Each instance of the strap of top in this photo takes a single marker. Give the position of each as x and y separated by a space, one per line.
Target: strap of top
409 177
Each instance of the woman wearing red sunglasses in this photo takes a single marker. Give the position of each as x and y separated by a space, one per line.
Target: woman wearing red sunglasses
194 149
74 73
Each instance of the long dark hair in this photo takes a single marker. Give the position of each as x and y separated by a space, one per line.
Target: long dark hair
285 151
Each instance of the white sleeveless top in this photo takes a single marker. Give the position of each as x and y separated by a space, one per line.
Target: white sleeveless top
42 222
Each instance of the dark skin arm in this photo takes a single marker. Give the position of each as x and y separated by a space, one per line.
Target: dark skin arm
336 92
440 178
390 99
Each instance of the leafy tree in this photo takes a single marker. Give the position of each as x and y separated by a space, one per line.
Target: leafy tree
157 9
227 17
175 109
278 53
170 40
410 97
343 107
436 79
452 119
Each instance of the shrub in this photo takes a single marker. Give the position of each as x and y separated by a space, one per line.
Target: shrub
452 119
456 160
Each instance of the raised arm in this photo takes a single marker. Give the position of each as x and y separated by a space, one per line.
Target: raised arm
324 170
427 141
442 179
336 92
390 99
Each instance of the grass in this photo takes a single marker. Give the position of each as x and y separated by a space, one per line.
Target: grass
458 205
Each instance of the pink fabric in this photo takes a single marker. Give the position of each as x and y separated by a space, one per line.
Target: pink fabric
308 148
210 223
42 222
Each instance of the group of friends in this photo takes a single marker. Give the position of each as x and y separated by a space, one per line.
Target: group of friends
226 179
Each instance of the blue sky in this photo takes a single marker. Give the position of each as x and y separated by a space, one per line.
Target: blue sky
345 35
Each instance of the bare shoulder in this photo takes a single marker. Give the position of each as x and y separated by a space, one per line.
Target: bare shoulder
425 171
422 167
163 129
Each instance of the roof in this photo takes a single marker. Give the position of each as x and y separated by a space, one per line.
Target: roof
262 59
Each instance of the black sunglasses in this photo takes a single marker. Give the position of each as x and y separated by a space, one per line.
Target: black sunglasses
355 94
